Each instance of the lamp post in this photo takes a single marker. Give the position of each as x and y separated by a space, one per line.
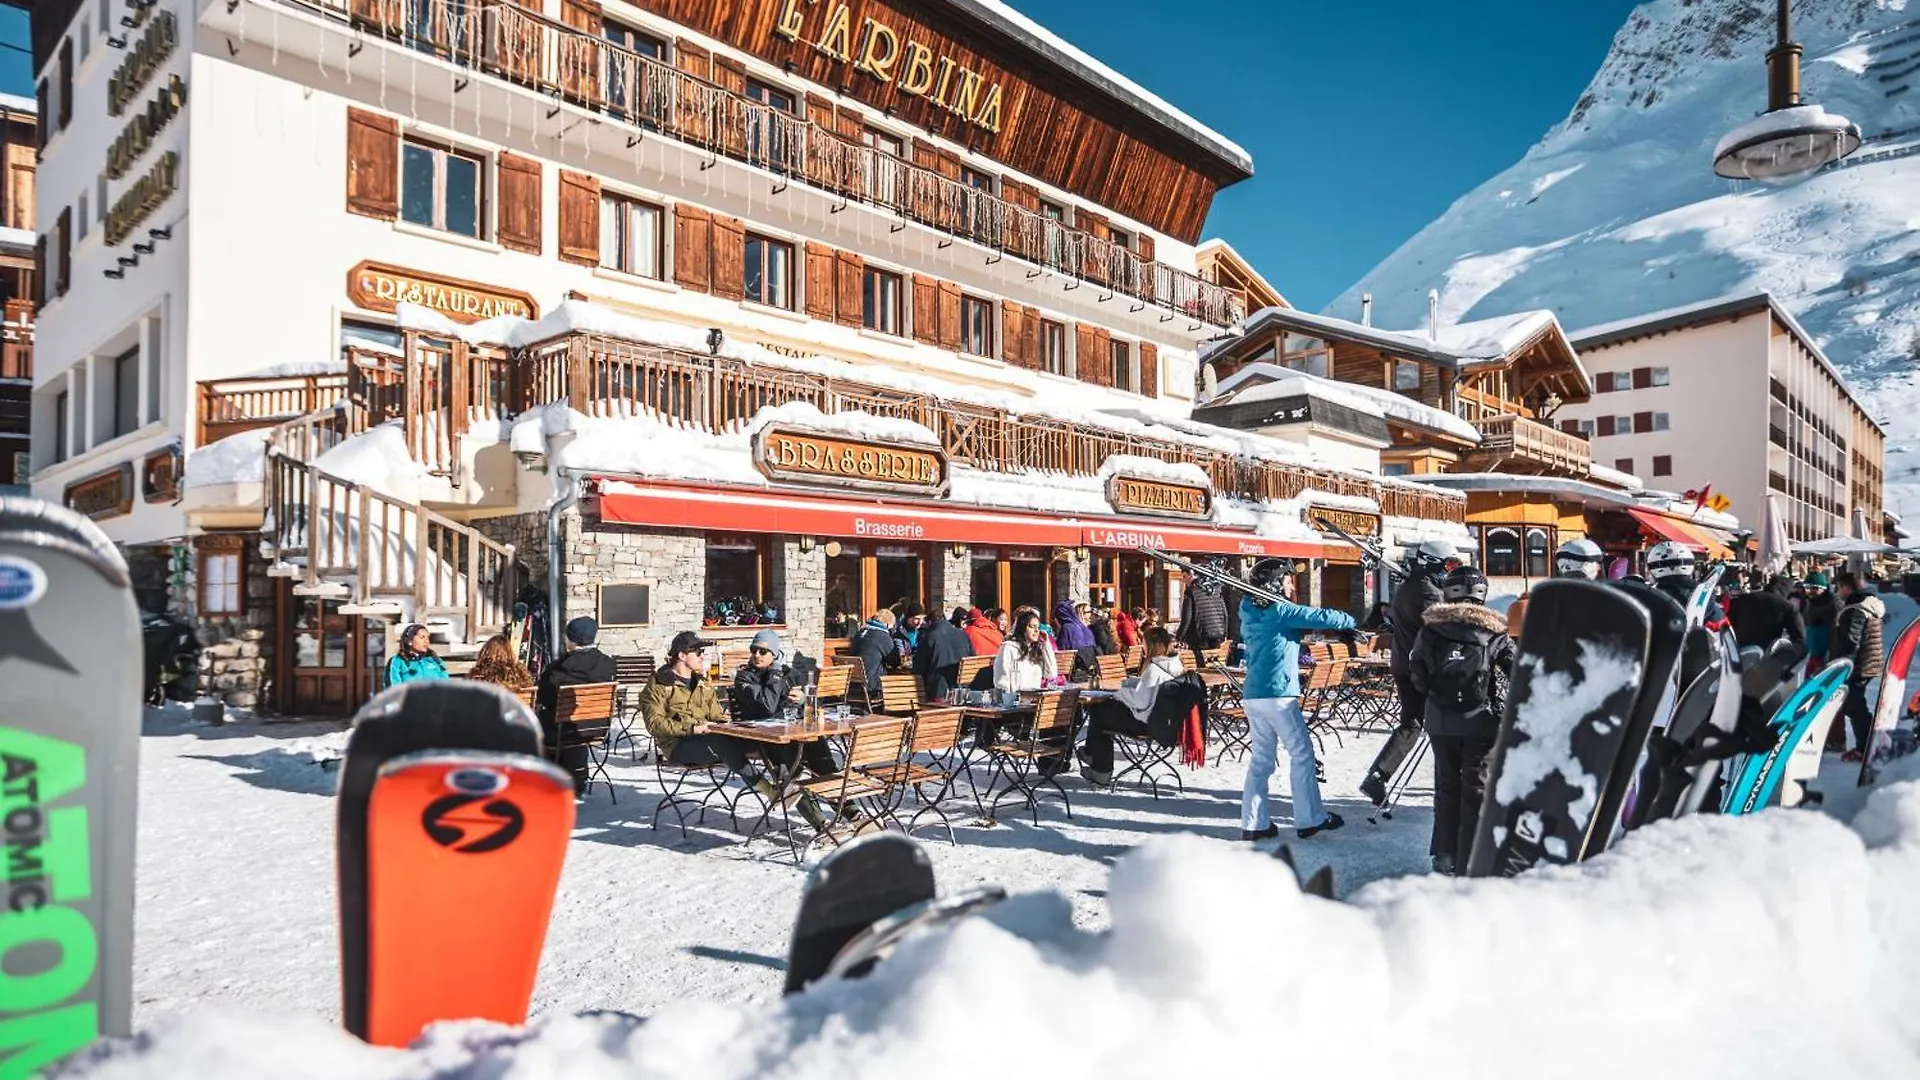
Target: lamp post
1792 140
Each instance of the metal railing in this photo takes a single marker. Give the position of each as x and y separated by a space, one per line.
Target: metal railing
562 62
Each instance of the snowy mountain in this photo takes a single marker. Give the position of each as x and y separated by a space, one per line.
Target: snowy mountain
1617 212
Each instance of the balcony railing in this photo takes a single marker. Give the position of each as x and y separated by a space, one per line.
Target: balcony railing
561 62
1510 441
231 406
16 341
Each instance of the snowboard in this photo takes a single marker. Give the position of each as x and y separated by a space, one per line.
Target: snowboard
1576 674
1668 631
853 887
1893 695
445 714
464 850
1664 775
70 713
875 943
1757 777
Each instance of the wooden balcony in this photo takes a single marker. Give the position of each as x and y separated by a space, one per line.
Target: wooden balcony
1515 444
561 63
231 406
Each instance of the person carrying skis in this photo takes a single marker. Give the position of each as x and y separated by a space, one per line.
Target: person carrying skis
1431 562
1857 637
1271 696
1577 558
1461 662
415 661
1671 566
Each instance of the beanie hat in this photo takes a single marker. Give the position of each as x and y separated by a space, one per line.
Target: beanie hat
1816 580
769 640
583 630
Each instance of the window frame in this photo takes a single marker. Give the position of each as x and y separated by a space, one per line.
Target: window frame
62 426
1663 464
1056 212
969 175
1419 377
870 137
748 264
762 547
759 92
1624 465
442 151
1048 328
878 312
621 242
1121 238
1120 358
1661 422
971 304
1660 376
236 586
126 389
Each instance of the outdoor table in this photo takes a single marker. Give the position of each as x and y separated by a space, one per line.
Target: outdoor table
782 733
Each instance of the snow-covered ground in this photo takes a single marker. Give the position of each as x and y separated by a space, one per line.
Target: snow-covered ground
1773 946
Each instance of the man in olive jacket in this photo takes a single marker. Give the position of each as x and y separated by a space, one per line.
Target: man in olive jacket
679 704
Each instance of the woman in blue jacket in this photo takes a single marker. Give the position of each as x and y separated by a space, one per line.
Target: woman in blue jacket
415 660
1271 695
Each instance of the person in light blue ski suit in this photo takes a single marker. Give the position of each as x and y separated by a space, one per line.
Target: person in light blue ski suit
1271 695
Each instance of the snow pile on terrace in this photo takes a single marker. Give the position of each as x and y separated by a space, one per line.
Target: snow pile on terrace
377 458
236 459
853 424
1779 945
1608 475
1173 472
1271 382
298 369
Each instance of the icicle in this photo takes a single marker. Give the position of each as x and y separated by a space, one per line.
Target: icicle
276 39
413 91
320 57
383 80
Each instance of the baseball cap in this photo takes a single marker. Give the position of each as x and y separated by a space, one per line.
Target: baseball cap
687 641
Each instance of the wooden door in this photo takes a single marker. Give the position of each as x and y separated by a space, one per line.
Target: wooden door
326 661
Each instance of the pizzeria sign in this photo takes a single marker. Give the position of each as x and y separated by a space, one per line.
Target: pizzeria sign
1159 498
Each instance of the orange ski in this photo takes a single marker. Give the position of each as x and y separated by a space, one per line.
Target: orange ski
464 850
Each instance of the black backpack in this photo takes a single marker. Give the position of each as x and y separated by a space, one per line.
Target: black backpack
1459 680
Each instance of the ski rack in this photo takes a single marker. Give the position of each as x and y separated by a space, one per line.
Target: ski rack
1377 554
1212 574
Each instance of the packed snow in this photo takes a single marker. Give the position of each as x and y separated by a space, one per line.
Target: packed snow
1141 942
1175 472
377 458
236 459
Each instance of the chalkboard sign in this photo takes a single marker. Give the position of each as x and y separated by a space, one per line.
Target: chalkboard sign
626 605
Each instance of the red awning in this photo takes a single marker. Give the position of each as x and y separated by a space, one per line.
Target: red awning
1680 532
1127 535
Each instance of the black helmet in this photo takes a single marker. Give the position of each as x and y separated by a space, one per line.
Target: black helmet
1267 574
1465 583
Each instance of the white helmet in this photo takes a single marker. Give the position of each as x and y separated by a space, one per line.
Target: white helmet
1668 559
1432 556
1578 558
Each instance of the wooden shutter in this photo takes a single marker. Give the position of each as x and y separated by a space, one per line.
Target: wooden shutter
730 74
66 84
729 257
851 125
949 315
42 129
692 59
1642 378
1143 244
1603 426
926 310
519 204
1103 346
579 218
579 55
692 247
1089 363
39 271
851 269
63 234
1010 333
373 164
1642 423
820 276
1149 369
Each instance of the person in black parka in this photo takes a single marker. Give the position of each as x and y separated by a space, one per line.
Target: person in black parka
1462 660
936 659
1764 616
582 665
1203 615
875 645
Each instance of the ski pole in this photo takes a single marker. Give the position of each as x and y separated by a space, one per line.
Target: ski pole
1403 779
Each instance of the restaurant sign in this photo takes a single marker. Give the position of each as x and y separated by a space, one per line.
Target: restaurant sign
103 495
160 475
376 286
1355 523
878 50
796 455
1159 498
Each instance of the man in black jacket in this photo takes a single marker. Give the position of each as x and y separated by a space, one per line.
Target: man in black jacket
1857 636
1203 614
875 645
936 659
1460 663
1431 562
1764 616
765 690
581 665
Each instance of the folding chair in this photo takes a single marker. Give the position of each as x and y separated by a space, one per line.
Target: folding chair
970 669
1064 660
857 693
1151 755
936 734
1111 672
834 686
673 780
1055 719
1320 698
1133 657
1227 718
631 674
899 694
583 719
865 780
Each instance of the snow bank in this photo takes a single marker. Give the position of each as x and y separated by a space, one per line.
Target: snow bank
236 459
1778 945
1173 472
377 458
853 424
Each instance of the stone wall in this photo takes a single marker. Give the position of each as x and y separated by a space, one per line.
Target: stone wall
674 562
150 569
951 580
800 584
528 535
236 651
1072 580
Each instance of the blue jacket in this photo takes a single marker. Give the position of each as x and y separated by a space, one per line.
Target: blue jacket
1272 636
404 669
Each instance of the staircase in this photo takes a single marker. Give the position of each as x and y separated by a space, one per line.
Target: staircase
383 557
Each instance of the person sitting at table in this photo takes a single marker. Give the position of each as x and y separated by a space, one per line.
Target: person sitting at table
679 707
764 689
582 665
497 665
1075 636
983 631
1127 711
1101 624
1025 660
874 645
937 660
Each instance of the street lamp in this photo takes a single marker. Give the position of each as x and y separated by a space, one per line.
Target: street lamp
1790 141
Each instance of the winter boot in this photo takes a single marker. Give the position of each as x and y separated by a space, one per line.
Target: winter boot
1443 864
1375 789
1095 777
812 812
1333 822
1268 833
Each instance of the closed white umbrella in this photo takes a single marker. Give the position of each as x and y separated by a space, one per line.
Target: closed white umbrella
1775 546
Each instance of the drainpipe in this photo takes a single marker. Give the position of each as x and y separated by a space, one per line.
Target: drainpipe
568 484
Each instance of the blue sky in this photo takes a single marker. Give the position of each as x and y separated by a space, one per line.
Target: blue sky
16 47
1365 120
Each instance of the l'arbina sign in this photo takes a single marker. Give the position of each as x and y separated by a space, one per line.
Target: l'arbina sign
910 66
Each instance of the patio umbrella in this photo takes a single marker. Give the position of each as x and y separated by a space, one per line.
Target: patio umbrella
1841 545
1775 546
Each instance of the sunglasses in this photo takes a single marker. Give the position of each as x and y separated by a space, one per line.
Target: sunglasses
757 651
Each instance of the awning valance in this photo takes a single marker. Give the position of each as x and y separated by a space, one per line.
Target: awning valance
1681 532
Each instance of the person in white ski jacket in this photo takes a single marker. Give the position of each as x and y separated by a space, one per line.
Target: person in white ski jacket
1025 660
1126 713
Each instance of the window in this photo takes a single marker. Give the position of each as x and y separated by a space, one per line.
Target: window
1537 548
1406 375
630 236
976 326
1622 425
1053 211
86 39
736 577
1663 465
883 142
1659 377
126 391
769 272
1123 366
1395 468
440 188
1503 553
60 426
976 179
1053 347
1122 238
1586 428
623 75
1624 464
100 199
222 584
771 96
880 301
1661 421
80 218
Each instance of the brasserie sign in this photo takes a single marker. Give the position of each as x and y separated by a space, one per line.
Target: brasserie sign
1158 498
877 49
378 287
782 452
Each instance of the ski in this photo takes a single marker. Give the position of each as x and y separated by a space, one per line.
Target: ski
1371 551
70 711
1665 775
464 850
1758 776
1667 637
1893 694
853 887
1576 674
450 714
1702 597
877 942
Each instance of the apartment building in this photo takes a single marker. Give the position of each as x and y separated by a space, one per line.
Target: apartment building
18 142
1733 395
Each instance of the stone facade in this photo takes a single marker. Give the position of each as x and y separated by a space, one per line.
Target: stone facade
952 580
236 651
673 562
1072 580
528 535
800 584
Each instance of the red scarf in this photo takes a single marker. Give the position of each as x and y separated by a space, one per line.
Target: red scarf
1193 740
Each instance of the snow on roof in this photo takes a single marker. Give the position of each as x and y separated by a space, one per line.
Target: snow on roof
1106 80
1512 482
24 239
857 425
236 459
1494 338
17 103
1174 472
1457 345
1614 476
1268 382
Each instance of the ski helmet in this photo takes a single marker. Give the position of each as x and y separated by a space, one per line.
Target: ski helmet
1578 558
1267 574
1668 559
1432 558
1465 583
